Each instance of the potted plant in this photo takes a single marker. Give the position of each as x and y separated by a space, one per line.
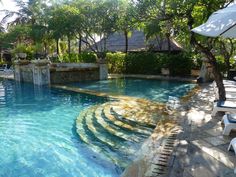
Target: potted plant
20 51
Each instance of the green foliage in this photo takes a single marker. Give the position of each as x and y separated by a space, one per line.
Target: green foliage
116 62
149 63
2 63
84 57
30 50
20 48
221 64
179 64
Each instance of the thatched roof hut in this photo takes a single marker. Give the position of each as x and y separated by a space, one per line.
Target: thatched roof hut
137 42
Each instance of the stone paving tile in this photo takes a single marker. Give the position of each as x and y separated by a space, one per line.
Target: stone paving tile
199 171
224 147
215 131
201 143
221 156
215 141
197 136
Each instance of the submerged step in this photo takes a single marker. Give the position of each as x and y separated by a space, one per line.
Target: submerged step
114 157
98 133
111 129
125 123
133 120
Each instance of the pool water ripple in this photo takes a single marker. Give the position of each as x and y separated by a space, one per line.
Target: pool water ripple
39 136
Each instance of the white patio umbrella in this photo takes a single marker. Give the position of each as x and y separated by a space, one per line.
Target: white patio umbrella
220 23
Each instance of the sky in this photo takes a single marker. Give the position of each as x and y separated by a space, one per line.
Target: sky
7 5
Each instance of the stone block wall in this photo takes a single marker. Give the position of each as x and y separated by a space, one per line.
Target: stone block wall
60 76
40 72
24 73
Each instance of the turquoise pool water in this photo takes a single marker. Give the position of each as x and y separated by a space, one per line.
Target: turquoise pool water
38 138
38 135
156 90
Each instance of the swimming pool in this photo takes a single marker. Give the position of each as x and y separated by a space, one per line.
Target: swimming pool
38 133
152 89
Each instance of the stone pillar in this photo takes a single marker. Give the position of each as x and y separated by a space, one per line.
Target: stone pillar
18 71
17 74
205 72
103 71
41 72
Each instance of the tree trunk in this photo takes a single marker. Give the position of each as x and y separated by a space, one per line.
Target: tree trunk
80 43
57 41
217 77
215 70
227 62
211 58
126 41
105 44
45 48
168 42
69 47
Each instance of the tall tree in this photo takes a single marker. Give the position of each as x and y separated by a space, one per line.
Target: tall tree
99 22
64 21
126 20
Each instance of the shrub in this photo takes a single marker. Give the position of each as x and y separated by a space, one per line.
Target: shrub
149 63
116 62
78 58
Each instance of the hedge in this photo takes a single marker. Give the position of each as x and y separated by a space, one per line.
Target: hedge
149 63
84 57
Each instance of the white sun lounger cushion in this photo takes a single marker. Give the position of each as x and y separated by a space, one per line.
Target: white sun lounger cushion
224 106
229 122
233 145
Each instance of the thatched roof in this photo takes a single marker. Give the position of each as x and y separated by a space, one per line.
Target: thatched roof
137 42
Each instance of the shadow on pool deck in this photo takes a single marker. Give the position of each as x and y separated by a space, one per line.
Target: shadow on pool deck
202 149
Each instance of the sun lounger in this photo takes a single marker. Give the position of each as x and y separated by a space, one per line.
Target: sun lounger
229 121
233 145
226 82
224 106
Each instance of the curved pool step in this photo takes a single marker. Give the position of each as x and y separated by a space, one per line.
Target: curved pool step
116 112
107 139
81 131
125 123
116 132
98 133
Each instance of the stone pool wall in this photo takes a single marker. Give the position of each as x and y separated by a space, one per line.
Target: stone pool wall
67 75
41 72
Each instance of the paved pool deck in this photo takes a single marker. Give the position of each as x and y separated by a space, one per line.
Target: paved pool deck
202 149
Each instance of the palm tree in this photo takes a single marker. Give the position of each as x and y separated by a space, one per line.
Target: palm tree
28 12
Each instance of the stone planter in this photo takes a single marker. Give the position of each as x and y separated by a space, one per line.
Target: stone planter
40 62
195 72
21 55
21 62
165 71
